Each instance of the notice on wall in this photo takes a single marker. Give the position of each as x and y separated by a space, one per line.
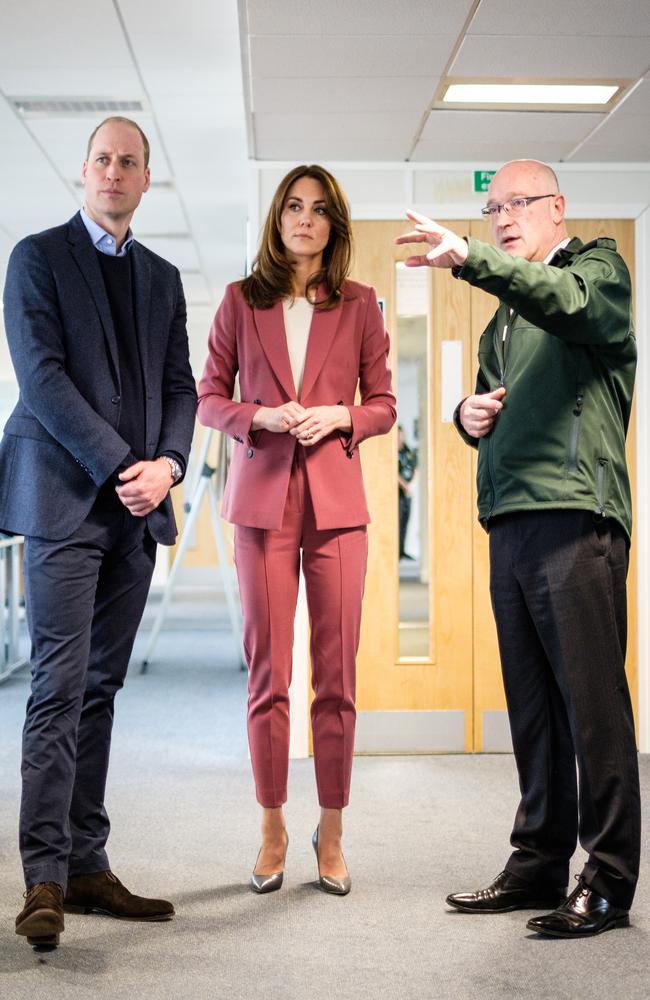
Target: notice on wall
451 378
482 179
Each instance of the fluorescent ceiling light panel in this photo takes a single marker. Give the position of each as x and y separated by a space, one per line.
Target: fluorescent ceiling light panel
69 107
157 185
528 93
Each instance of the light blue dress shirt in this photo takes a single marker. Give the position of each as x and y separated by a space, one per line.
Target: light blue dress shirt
102 240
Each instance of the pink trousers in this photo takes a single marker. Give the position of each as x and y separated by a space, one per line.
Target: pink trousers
334 566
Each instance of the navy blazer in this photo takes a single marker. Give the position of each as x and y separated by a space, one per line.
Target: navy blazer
61 444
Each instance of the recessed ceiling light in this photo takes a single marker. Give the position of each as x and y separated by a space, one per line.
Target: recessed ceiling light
529 93
159 185
70 107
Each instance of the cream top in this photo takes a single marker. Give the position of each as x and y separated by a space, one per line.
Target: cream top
297 322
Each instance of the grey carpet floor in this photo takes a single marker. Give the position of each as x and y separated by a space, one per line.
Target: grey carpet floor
185 825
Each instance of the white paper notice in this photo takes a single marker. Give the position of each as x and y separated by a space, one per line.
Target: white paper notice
451 377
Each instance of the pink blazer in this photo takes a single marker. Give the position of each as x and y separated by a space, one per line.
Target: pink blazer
347 346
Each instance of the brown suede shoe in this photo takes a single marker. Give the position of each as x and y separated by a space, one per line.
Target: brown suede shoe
41 919
102 892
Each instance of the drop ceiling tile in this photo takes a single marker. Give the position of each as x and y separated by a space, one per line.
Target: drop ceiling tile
559 56
180 252
365 17
557 17
143 17
221 227
494 126
498 151
344 148
594 152
622 139
319 150
38 35
335 136
34 196
350 56
117 82
637 103
199 117
190 45
159 211
33 210
356 94
625 130
221 80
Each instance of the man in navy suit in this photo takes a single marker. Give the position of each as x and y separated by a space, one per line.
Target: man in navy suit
96 325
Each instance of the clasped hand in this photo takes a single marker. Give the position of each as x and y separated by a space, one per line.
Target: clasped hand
144 486
308 424
479 412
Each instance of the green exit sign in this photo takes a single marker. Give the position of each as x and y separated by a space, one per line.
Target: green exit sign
482 179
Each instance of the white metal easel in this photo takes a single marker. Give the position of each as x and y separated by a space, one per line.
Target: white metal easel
209 481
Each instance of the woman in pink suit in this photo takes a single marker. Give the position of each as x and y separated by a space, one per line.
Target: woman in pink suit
302 337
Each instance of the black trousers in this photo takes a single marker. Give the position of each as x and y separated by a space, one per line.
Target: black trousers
557 581
84 596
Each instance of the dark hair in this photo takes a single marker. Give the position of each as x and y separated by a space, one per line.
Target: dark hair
271 275
124 121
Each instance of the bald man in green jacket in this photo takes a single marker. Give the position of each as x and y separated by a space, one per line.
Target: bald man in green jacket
549 418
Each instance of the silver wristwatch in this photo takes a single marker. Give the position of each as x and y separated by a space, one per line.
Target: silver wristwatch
177 472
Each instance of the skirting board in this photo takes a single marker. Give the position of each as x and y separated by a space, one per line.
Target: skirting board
496 733
410 732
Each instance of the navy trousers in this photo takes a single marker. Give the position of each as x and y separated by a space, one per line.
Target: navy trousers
558 592
84 597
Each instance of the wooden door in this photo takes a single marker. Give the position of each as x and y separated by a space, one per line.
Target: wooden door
423 703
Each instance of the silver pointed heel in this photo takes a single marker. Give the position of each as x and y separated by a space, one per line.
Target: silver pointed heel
329 883
268 883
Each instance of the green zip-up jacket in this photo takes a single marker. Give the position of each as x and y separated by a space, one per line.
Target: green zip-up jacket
567 363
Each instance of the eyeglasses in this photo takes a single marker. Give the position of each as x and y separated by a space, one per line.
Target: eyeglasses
514 207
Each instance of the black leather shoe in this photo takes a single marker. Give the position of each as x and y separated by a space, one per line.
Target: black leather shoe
583 914
507 892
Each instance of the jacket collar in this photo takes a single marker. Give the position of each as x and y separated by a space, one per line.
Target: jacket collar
271 331
269 324
567 253
85 255
324 325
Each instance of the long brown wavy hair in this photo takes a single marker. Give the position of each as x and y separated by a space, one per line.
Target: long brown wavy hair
271 275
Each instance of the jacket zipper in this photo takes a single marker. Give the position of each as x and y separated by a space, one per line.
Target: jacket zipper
600 485
500 345
575 432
